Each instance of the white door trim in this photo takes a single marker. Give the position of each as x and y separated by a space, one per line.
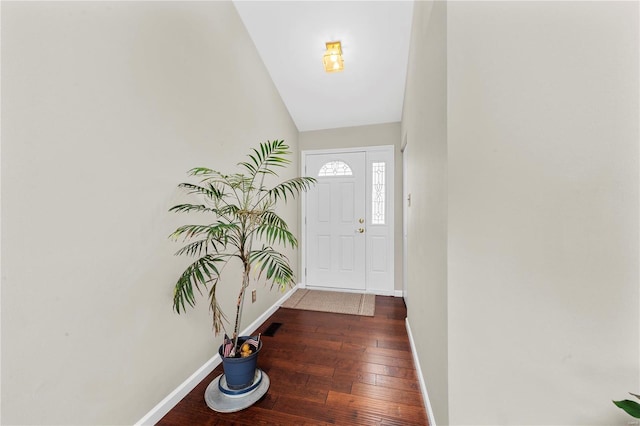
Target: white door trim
371 152
405 219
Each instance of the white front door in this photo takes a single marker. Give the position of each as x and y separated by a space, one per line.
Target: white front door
348 237
336 221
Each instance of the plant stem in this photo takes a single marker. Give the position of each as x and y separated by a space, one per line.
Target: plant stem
245 284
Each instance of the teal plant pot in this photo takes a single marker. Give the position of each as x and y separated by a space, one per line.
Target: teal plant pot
239 373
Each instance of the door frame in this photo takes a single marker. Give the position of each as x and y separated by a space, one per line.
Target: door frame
388 290
406 203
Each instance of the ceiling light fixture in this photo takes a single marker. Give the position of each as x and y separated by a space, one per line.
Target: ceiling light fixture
332 58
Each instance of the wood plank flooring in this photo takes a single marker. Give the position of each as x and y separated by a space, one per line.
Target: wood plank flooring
326 369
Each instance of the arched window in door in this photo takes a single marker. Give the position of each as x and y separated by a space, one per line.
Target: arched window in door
335 168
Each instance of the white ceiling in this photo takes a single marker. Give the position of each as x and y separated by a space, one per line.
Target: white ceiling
290 37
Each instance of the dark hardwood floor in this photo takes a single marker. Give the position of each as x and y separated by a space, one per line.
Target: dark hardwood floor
326 369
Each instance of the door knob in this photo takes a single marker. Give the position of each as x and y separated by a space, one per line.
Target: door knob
361 230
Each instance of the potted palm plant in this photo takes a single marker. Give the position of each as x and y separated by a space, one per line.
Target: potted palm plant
245 227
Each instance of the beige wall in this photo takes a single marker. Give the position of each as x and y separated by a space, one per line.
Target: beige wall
105 106
543 211
521 121
424 125
359 136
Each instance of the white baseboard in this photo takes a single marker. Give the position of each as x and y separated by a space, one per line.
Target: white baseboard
423 385
164 406
382 292
170 401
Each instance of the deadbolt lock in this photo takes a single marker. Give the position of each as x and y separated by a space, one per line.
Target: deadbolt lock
361 220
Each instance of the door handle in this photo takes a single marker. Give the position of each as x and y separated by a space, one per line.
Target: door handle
360 230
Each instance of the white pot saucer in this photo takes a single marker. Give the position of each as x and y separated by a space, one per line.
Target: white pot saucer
222 402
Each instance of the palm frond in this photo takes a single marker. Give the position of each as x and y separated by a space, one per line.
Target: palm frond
271 154
631 407
251 168
189 231
219 232
275 230
199 273
196 248
210 191
230 211
199 171
291 187
216 312
238 180
208 175
186 208
275 265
